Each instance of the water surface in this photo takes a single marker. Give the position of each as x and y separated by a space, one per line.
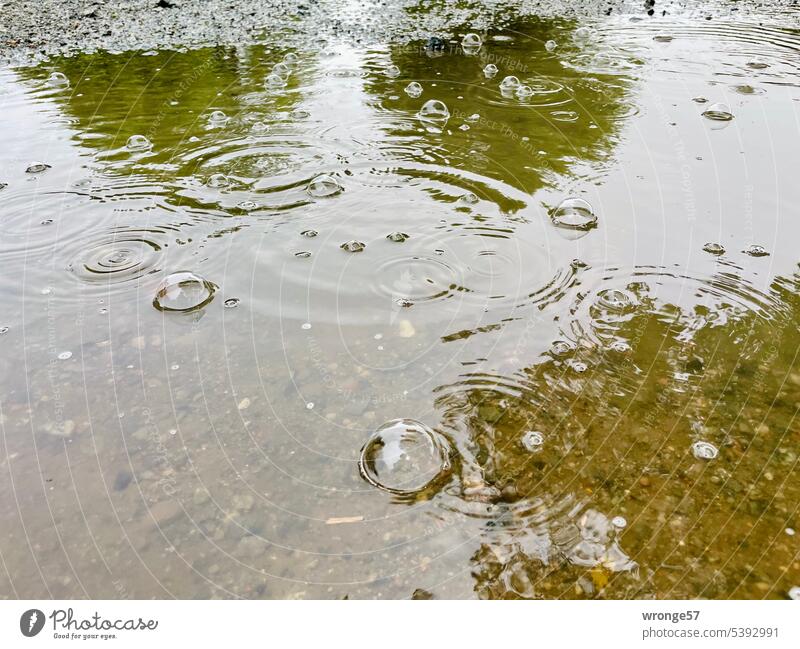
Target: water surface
604 411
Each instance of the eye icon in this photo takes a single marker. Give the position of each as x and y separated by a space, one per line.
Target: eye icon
31 622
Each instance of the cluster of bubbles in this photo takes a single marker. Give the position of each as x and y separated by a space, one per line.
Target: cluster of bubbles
279 76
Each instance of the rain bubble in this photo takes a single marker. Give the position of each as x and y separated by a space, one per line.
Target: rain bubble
57 80
704 450
620 346
282 70
353 246
663 38
274 81
323 186
404 457
582 34
3 330
574 214
392 72
247 206
579 367
560 348
303 254
757 64
397 237
218 180
619 522
757 251
3 186
509 84
37 167
714 248
259 127
414 89
471 44
434 115
231 303
523 91
550 46
183 292
138 143
533 441
309 233
65 356
468 199
218 117
615 299
290 58
718 112
794 593
699 100
490 70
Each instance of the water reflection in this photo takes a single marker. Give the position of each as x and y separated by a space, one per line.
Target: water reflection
562 360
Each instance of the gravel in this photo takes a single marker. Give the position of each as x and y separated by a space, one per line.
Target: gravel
64 27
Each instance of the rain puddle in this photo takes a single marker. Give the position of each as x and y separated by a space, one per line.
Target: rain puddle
509 315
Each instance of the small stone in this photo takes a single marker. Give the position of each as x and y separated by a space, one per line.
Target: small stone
406 329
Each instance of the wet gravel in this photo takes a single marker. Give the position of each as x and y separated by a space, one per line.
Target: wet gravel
63 27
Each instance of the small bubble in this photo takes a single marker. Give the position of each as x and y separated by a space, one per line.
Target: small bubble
523 91
404 457
397 237
718 112
218 117
175 367
392 72
306 326
138 143
468 199
699 100
231 303
273 80
57 80
663 38
247 206
3 330
282 70
550 46
509 84
324 186
714 248
413 89
434 114
704 450
756 251
310 405
303 254
290 58
619 522
37 167
217 181
309 233
794 593
757 64
65 356
471 41
582 34
353 246
575 214
620 346
259 127
533 441
490 71
183 292
561 348
579 367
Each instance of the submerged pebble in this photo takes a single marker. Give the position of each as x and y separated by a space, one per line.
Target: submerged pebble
404 457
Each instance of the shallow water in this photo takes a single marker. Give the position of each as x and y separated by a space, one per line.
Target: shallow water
346 264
